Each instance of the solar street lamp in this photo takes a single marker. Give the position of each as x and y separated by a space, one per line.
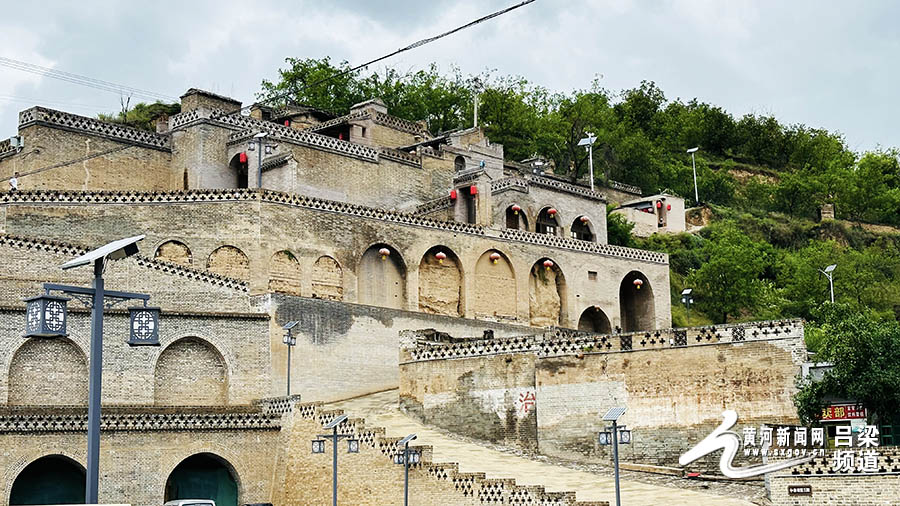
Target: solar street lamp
46 316
694 165
615 435
258 144
405 458
828 274
318 446
687 299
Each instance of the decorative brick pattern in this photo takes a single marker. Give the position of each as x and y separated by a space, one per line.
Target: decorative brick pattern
601 249
59 119
627 188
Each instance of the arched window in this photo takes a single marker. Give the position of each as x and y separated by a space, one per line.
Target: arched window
173 251
547 222
581 229
459 164
515 218
284 273
327 279
203 476
230 262
636 303
48 372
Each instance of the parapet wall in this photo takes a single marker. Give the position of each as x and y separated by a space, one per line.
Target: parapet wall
548 392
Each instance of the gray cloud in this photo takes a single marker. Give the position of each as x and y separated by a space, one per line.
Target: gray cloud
825 64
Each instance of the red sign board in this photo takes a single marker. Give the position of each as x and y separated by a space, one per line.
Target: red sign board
843 412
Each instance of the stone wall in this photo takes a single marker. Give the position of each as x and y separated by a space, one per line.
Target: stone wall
675 384
838 489
265 449
261 225
344 350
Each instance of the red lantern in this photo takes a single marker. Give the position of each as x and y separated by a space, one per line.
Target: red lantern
548 264
440 255
551 211
473 190
495 256
384 252
287 122
516 208
637 283
242 157
658 204
668 207
585 219
452 194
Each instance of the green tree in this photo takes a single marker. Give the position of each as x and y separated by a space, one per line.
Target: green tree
729 280
618 229
865 351
142 115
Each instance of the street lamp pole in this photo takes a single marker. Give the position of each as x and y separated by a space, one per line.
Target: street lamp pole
318 447
290 341
145 330
607 438
615 441
589 142
687 299
694 165
406 457
828 274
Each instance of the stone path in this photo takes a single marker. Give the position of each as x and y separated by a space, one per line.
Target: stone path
380 409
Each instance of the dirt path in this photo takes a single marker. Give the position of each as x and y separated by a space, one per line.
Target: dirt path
380 409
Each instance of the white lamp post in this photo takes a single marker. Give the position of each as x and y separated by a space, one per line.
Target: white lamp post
589 142
694 165
828 274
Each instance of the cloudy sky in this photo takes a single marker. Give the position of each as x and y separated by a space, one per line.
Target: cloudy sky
827 64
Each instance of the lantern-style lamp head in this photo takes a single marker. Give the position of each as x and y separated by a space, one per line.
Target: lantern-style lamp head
384 252
318 446
353 445
624 435
440 255
495 257
144 326
638 283
45 316
604 438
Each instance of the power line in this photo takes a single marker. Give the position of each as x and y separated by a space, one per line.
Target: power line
82 80
401 50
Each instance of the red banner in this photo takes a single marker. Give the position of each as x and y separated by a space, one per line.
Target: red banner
843 412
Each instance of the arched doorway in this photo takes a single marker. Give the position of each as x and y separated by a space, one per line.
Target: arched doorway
494 294
459 164
238 168
546 295
382 278
440 282
203 476
636 303
54 479
547 222
581 229
515 218
593 319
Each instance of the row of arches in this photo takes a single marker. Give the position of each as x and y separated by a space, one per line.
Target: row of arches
382 273
188 372
548 221
58 479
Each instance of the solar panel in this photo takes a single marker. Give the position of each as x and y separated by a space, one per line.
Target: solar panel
115 250
613 414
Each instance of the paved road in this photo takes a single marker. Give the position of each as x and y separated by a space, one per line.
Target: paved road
380 409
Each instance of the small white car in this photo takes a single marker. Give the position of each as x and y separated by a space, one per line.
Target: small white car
191 502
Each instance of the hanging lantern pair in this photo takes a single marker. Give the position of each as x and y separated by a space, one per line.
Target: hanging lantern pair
516 208
384 252
548 264
440 255
637 283
495 257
